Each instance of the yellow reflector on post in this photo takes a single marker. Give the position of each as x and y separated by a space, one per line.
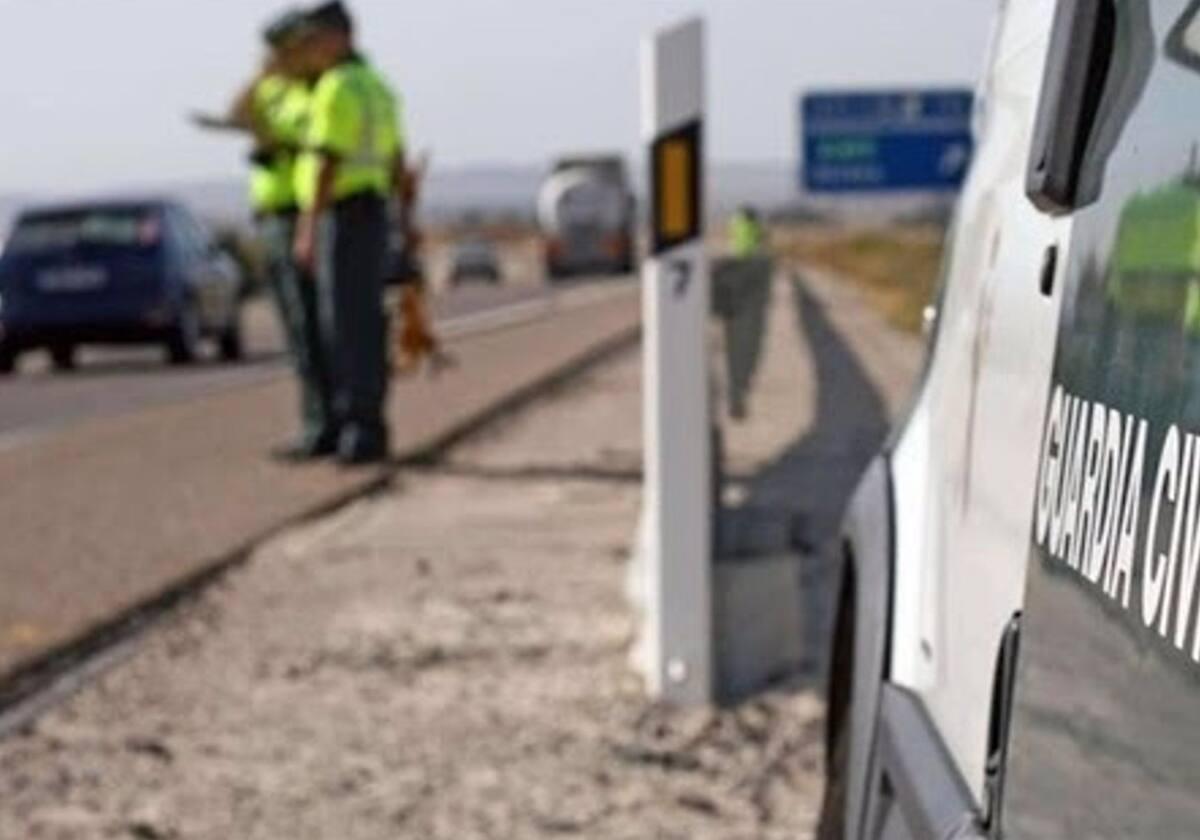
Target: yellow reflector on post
677 188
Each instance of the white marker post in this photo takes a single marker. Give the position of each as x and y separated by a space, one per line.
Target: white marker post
677 648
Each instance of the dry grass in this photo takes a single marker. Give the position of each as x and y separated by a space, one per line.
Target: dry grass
897 267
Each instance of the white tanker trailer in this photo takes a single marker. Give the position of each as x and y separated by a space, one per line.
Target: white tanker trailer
586 212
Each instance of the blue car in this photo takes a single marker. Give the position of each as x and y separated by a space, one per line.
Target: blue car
121 272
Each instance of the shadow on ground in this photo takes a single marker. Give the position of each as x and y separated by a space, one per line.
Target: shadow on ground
796 502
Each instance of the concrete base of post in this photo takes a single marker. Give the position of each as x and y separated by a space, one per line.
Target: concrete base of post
637 590
758 631
757 623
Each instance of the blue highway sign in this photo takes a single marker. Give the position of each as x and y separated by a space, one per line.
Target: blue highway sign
873 141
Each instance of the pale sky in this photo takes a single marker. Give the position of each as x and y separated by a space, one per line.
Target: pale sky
94 92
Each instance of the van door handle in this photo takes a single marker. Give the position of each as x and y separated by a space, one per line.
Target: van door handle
1077 70
1049 270
1000 727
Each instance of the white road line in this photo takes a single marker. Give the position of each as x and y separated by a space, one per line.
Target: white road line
503 316
529 310
460 327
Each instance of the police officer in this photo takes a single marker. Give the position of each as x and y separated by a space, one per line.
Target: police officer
352 161
274 108
281 107
744 290
747 236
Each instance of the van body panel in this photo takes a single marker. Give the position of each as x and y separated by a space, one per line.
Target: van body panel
1106 727
966 462
867 535
1051 465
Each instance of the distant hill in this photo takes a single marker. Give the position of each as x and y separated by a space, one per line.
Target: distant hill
511 190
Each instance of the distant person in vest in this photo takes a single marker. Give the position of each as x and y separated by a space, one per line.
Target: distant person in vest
353 160
745 291
747 236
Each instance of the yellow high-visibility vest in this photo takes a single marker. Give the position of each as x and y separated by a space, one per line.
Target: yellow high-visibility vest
355 118
281 108
746 236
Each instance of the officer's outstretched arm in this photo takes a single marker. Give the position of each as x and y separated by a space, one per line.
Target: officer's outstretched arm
213 122
242 116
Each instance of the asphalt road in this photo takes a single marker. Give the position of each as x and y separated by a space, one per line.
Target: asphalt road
116 381
331 659
108 513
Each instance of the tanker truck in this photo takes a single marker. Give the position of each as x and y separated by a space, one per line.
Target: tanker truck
586 213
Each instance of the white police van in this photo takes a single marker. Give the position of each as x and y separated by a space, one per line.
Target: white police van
1017 649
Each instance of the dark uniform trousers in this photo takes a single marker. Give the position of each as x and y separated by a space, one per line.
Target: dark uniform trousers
352 253
296 299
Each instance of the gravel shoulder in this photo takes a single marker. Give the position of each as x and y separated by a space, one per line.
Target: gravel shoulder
447 661
444 660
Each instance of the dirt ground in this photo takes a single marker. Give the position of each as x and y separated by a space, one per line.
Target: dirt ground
444 661
896 267
449 659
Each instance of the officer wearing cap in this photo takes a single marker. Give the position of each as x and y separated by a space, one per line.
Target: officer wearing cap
281 107
352 161
274 108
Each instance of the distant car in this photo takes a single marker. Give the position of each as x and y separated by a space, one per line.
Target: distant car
119 272
475 259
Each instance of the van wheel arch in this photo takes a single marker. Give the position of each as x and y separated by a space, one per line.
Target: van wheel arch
832 825
858 660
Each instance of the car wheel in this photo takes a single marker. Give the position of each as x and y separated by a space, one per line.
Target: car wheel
8 360
184 341
63 356
230 343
